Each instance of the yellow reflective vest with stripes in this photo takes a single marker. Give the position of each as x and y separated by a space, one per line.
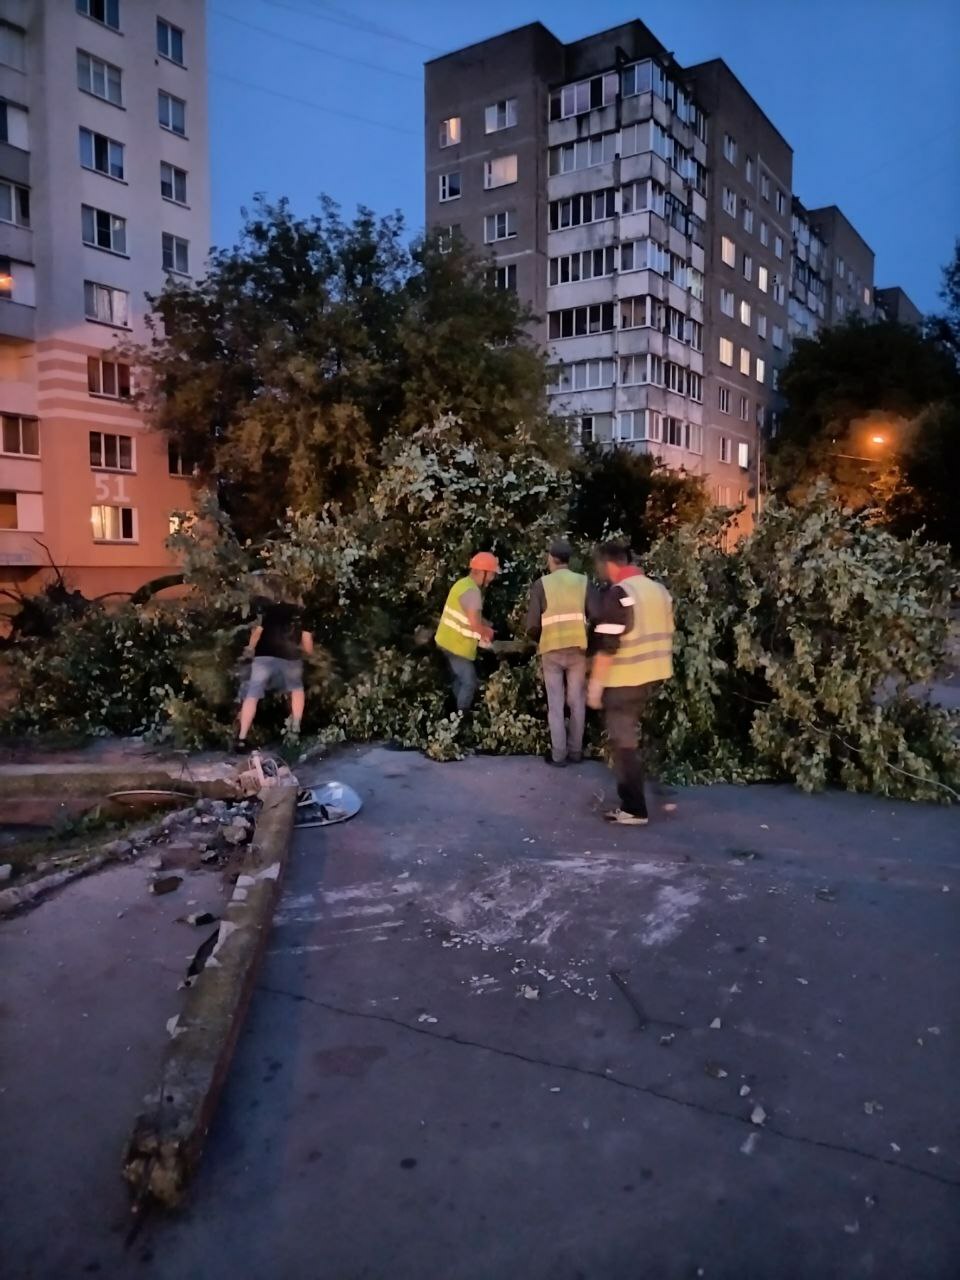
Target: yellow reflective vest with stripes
454 632
564 621
646 650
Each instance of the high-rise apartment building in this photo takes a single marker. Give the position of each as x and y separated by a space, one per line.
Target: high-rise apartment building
894 304
645 212
104 195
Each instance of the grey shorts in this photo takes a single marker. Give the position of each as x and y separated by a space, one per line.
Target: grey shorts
283 674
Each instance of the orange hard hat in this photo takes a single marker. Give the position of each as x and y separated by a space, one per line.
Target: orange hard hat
485 560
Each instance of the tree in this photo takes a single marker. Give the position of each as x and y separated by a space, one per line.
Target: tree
282 371
945 327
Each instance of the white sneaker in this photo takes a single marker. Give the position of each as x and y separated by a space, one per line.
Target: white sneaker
625 819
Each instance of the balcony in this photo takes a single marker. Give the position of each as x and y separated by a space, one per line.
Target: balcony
17 321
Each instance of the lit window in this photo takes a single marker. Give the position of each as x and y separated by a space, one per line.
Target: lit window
103 303
499 226
727 301
500 115
726 351
14 204
175 253
99 78
450 131
725 447
103 230
105 11
745 362
763 279
19 435
728 251
169 41
745 312
450 186
743 454
172 113
113 524
761 369
173 183
110 453
729 148
723 399
101 153
866 296
500 172
108 378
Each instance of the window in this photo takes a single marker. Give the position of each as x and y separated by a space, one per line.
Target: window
12 46
695 386
761 325
745 362
748 168
14 204
745 312
727 301
636 371
110 453
640 424
778 337
101 153
99 78
587 265
577 321
8 509
761 369
726 351
683 435
588 95
729 148
450 186
172 113
105 11
764 233
20 435
730 202
726 447
639 197
499 226
582 375
177 464
169 41
500 172
583 154
592 206
775 378
744 409
779 289
728 251
109 306
743 454
839 265
763 279
747 267
504 277
14 124
781 202
866 296
108 378
103 230
500 115
694 334
450 131
173 183
723 399
764 187
642 312
113 524
645 255
175 254
778 246
747 218
446 237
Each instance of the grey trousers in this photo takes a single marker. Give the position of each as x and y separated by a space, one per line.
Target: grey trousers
622 713
565 679
464 674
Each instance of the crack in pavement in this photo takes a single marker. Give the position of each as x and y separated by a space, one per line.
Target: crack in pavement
594 1074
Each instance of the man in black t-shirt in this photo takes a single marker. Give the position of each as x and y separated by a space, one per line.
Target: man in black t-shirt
277 644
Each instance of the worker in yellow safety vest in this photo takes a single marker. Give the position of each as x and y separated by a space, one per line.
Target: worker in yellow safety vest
634 641
557 620
463 627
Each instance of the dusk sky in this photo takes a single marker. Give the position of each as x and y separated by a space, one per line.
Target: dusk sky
865 91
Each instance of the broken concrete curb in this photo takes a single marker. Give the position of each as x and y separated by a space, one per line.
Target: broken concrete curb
30 780
168 1137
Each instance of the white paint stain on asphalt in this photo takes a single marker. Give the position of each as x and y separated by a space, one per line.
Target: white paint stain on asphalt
672 909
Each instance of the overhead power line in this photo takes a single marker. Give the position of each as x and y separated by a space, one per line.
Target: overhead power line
316 48
316 106
343 19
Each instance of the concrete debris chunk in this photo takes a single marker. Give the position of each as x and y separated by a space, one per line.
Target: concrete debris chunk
6 871
758 1115
716 1024
716 1071
528 992
199 918
744 1091
667 1040
871 1107
426 1017
165 884
749 1144
236 832
851 1228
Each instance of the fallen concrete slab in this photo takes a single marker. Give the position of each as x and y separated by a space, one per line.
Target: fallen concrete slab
83 778
168 1137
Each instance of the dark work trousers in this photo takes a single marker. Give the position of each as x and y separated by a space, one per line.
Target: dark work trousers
622 712
464 673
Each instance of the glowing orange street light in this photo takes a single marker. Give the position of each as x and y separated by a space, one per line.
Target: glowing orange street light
878 439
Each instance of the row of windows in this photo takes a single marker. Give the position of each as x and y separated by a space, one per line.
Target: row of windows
730 206
648 424
725 451
107 156
746 360
109 451
500 172
643 77
728 306
641 370
632 140
725 400
104 80
644 311
731 153
107 12
101 229
497 116
728 254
